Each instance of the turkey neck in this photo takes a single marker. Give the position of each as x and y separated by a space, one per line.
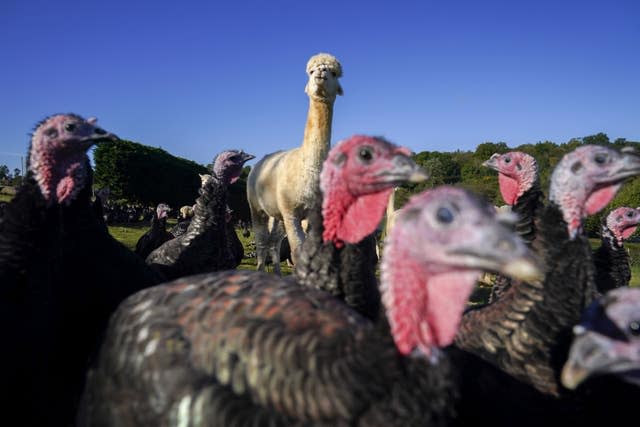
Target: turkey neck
527 208
612 263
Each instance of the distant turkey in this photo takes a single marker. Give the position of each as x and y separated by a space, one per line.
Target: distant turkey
248 348
61 274
204 247
157 234
611 258
519 185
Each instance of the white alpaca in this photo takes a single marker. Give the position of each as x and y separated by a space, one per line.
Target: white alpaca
280 186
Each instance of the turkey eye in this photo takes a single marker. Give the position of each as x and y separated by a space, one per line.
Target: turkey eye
630 214
507 159
70 127
365 154
600 158
444 215
634 328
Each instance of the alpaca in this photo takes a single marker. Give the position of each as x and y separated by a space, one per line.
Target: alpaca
280 186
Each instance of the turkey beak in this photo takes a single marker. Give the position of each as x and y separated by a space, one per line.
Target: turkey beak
500 250
100 135
591 354
492 162
246 157
629 165
402 170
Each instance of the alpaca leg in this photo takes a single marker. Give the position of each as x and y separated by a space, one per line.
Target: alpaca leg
261 236
295 234
275 241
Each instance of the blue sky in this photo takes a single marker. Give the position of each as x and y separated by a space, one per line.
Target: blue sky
197 77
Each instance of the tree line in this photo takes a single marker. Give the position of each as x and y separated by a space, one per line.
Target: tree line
140 174
464 168
136 173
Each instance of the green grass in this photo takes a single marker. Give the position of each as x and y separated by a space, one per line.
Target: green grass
129 234
5 198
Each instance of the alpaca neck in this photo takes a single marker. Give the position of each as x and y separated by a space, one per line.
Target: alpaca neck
317 132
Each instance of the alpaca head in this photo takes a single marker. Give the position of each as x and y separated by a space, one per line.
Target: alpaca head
324 70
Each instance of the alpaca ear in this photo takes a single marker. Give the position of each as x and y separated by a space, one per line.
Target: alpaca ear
340 91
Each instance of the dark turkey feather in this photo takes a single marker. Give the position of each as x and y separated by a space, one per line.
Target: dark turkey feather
247 348
516 332
613 269
347 273
203 248
154 237
181 227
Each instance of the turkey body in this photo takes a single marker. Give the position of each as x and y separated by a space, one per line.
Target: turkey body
153 238
297 357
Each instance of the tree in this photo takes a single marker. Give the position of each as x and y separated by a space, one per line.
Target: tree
597 139
148 175
4 172
487 149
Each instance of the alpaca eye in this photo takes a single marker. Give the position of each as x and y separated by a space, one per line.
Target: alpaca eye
333 73
600 158
365 154
634 328
70 127
444 215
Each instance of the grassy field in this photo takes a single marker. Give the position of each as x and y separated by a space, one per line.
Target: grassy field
129 235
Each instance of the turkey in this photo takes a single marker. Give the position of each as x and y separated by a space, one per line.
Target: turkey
519 184
604 360
204 246
250 348
607 340
157 234
611 258
235 245
62 274
527 332
338 254
184 219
